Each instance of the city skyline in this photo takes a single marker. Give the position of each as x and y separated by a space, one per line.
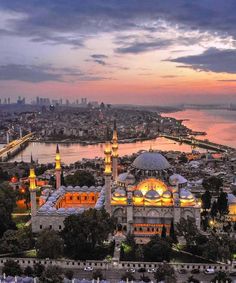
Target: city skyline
127 52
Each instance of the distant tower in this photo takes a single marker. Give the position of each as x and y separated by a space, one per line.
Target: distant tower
115 153
58 168
32 188
108 173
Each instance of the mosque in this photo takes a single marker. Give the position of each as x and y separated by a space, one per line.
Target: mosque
143 200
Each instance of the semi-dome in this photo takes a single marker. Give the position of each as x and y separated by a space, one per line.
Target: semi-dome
152 194
153 161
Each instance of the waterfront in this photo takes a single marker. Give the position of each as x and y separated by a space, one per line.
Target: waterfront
45 152
220 125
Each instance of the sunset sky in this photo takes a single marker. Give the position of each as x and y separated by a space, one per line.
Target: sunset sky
119 51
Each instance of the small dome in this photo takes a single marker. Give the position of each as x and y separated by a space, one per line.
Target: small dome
231 199
152 194
138 194
176 179
151 161
167 194
119 192
185 194
127 178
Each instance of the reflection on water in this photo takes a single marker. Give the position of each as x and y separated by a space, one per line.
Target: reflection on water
220 125
70 153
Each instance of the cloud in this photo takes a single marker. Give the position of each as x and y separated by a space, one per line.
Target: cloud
33 74
99 56
233 81
141 47
72 22
211 60
38 74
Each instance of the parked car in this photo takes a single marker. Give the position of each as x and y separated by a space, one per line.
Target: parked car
88 268
132 270
151 270
209 271
233 273
195 271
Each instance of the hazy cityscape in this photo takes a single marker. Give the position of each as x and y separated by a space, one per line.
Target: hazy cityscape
117 141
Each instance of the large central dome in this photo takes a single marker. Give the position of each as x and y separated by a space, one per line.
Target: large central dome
153 161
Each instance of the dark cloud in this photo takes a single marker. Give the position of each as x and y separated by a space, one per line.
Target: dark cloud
140 47
100 62
24 73
71 22
37 74
213 59
99 56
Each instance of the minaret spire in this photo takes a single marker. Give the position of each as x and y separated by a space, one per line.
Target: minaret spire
58 168
115 152
107 173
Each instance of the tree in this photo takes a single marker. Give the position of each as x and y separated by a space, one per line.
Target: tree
187 228
212 184
163 232
38 269
214 209
84 234
139 253
51 274
7 204
11 268
69 274
222 203
157 249
206 200
191 279
221 277
49 245
98 274
29 271
166 273
16 241
128 275
128 247
172 232
80 178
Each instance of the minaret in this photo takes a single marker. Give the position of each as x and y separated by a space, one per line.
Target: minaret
58 168
114 153
107 173
32 188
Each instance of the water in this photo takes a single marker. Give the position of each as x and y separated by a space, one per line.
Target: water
45 152
220 125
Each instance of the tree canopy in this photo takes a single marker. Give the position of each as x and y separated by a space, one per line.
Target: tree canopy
49 245
84 234
212 184
157 249
166 273
7 204
80 178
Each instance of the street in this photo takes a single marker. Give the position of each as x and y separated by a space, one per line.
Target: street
114 275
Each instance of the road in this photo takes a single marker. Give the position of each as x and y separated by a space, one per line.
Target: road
114 275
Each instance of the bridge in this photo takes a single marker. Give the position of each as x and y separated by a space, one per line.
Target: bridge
12 148
199 143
